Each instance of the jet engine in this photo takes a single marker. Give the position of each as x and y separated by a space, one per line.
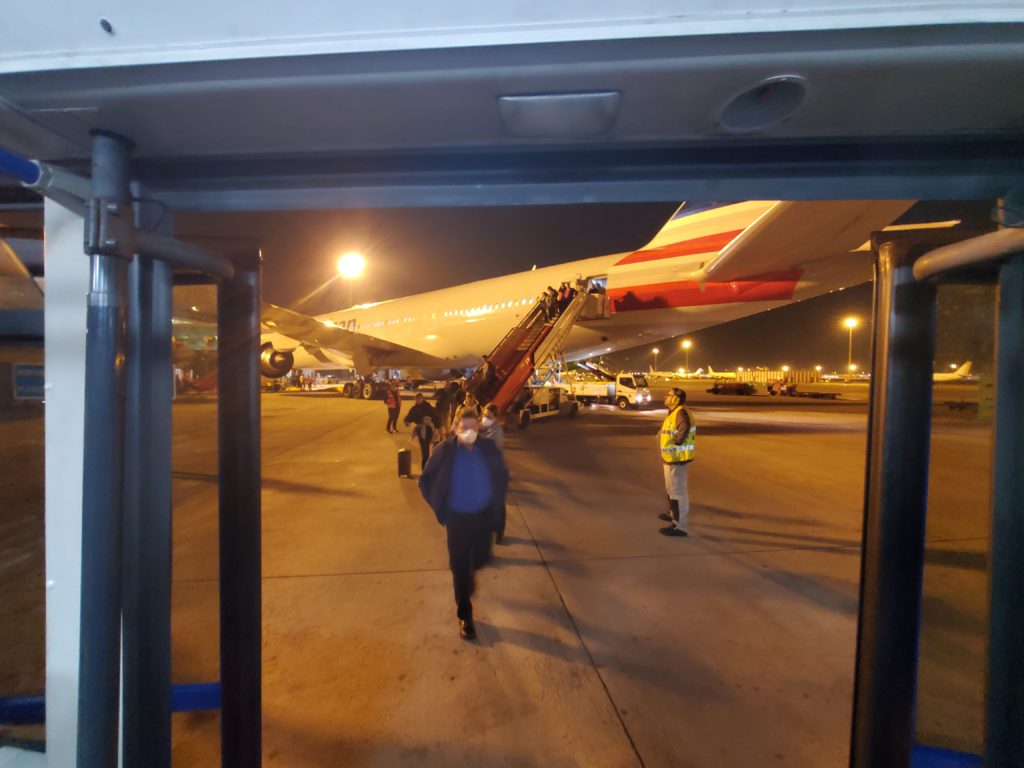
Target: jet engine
274 363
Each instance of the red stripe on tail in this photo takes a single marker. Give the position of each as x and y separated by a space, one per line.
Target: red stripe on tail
705 244
772 286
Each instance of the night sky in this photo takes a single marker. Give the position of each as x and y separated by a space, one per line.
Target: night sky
414 250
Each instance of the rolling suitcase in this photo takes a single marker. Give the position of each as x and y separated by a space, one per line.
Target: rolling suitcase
404 462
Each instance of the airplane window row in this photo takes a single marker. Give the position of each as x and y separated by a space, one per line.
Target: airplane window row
470 312
485 308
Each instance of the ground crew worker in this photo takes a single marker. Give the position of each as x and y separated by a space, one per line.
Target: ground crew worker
676 439
393 401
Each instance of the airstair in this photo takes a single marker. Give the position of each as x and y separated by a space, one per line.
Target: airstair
529 345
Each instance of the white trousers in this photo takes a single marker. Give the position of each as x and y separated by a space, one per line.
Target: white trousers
675 487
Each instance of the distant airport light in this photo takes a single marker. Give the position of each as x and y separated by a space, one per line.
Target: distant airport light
853 367
851 322
740 369
195 309
953 366
686 344
817 368
785 369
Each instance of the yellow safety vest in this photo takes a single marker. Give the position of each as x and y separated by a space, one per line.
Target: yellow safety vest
671 453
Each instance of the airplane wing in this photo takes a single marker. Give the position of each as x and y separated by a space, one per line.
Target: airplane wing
18 290
368 352
791 234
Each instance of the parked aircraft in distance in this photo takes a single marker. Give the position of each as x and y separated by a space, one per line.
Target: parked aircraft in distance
963 373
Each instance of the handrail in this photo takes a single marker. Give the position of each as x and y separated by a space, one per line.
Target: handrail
976 250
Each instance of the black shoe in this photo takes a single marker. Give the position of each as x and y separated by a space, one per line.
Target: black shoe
666 517
466 629
672 531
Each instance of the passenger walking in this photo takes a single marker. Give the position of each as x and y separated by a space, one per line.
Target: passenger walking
677 437
470 404
491 429
549 303
464 483
443 408
487 374
423 415
393 401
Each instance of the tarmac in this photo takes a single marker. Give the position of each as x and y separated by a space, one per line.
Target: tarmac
601 643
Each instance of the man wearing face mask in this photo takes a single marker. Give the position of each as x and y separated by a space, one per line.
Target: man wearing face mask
464 483
676 438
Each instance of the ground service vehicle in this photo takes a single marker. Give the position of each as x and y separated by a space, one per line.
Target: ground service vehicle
733 388
364 388
539 402
625 390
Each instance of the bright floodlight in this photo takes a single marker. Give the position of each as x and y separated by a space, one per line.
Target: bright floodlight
351 265
817 368
785 369
953 366
853 367
687 343
851 322
654 351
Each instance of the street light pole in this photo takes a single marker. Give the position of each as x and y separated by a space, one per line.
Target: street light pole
686 348
655 351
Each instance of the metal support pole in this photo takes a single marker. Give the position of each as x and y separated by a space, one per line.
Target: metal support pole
1004 745
102 489
238 404
147 514
894 511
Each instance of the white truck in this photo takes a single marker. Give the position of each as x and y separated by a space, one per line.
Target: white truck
625 390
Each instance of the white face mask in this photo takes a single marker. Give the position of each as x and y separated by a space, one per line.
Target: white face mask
487 421
467 436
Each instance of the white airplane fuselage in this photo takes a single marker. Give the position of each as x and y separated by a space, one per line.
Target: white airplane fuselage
651 291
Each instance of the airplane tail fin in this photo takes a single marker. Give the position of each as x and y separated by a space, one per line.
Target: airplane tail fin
711 371
679 233
965 369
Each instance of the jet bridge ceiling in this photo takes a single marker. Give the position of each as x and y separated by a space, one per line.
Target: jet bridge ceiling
657 106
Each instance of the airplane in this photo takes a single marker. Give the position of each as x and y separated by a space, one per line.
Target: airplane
963 373
709 264
713 374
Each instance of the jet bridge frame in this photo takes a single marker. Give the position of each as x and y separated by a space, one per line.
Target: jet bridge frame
894 503
124 690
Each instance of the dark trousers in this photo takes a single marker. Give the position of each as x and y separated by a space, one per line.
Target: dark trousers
424 449
469 537
499 523
393 418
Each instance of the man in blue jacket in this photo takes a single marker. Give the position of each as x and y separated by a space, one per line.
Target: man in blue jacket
464 483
